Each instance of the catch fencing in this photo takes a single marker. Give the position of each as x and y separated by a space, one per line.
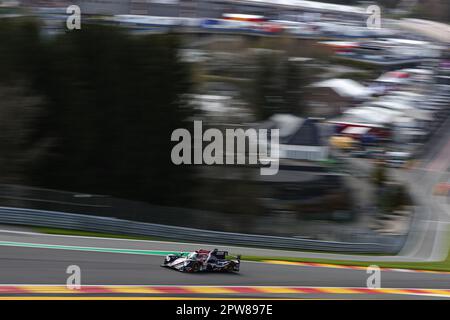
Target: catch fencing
63 220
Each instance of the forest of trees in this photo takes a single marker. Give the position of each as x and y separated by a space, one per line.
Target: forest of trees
92 111
277 86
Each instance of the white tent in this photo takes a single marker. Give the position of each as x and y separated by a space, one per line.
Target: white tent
374 115
356 130
345 87
405 108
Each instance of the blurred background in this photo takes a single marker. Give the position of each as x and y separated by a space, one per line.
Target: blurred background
86 115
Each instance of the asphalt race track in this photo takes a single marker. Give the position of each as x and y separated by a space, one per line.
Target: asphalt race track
22 266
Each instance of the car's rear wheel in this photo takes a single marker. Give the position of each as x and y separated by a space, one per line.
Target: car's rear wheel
195 267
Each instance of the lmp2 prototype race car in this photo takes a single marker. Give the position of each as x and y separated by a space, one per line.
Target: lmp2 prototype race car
203 260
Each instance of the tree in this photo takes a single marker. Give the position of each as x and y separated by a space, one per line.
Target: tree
111 102
379 174
277 86
19 112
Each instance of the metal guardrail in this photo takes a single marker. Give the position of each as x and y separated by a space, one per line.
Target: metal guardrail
20 216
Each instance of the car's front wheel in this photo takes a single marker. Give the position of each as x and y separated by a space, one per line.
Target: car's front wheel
229 267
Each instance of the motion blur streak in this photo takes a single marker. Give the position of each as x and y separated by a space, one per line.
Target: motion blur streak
87 116
245 291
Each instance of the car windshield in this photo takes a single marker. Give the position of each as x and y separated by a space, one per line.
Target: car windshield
192 255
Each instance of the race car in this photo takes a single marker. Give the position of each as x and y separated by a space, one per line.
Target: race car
203 260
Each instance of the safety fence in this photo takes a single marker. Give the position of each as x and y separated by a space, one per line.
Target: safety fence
63 220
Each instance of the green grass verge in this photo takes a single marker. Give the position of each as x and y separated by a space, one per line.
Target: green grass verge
432 266
69 232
